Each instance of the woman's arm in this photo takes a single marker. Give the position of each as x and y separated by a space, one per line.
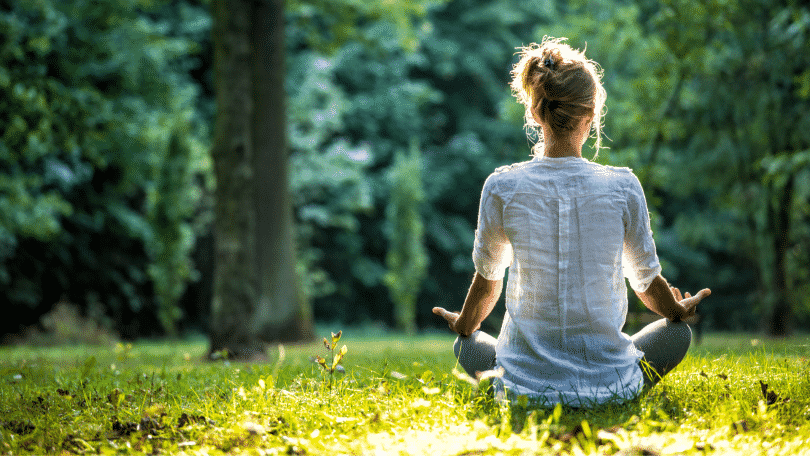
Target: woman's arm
481 299
667 301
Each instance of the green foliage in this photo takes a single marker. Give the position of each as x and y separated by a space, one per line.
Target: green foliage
105 173
174 199
328 25
729 137
360 102
407 259
666 65
327 171
733 395
92 96
697 157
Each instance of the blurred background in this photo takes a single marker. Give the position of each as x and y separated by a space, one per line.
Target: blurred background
396 112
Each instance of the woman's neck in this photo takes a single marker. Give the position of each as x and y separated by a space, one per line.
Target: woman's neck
559 149
565 145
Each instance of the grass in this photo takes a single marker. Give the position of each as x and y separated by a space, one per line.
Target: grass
398 395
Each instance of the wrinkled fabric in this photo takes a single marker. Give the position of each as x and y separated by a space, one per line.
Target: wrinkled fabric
569 231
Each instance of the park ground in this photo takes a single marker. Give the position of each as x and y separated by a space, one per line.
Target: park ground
393 394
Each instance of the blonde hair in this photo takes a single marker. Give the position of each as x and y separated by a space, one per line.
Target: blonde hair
559 86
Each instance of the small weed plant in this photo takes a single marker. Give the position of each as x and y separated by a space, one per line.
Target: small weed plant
398 395
332 366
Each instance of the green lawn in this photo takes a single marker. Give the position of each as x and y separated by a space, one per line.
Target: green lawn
398 395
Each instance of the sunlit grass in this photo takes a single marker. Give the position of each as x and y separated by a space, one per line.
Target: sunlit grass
398 395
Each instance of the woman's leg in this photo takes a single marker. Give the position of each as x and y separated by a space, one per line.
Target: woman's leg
475 353
664 344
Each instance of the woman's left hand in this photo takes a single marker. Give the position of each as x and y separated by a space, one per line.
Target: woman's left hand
480 300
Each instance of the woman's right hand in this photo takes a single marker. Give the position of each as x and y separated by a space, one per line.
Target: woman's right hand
667 301
687 301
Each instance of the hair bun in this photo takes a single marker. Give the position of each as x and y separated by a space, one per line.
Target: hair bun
535 75
558 86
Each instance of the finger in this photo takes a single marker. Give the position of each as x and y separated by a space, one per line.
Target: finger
700 295
692 302
688 295
450 317
676 293
442 312
704 293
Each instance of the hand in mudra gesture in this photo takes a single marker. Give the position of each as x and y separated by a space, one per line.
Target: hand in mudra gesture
450 317
687 301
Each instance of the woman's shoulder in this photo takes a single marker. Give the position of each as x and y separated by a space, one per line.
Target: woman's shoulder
616 178
511 168
621 170
507 173
503 179
621 173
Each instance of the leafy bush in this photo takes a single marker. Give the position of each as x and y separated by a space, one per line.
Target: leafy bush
64 325
104 161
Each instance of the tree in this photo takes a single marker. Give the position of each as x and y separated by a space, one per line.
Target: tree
256 296
407 259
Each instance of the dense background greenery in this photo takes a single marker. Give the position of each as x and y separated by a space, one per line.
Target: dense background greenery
105 177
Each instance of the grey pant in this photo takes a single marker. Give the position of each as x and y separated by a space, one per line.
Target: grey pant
663 342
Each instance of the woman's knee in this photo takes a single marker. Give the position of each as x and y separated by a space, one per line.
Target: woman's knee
476 352
679 333
477 340
677 338
663 331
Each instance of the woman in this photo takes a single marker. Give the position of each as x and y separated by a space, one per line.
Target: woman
569 231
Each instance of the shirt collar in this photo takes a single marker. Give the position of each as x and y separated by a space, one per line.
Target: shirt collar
559 160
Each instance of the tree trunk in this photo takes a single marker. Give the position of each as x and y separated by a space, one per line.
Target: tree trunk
779 318
256 294
283 314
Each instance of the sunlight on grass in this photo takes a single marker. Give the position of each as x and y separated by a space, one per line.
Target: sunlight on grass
394 395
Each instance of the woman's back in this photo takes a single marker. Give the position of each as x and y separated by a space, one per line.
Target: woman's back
567 221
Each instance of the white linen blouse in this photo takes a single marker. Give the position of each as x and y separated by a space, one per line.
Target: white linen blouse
569 231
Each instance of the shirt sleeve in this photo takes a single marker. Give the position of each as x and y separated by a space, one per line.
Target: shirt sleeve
492 252
639 257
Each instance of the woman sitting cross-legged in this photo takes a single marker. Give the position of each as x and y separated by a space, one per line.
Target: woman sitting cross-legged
570 231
